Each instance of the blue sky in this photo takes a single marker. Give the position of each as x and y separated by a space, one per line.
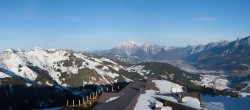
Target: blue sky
101 24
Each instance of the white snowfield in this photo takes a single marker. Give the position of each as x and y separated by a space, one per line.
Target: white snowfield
146 101
191 102
244 94
167 87
139 69
218 82
17 62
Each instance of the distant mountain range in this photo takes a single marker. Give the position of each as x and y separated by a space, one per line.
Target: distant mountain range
230 57
133 52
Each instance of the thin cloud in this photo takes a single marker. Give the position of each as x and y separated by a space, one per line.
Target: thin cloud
37 30
205 18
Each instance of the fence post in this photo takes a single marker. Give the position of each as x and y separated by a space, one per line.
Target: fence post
82 100
67 102
73 102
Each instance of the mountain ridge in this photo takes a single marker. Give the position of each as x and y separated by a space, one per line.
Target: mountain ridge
132 52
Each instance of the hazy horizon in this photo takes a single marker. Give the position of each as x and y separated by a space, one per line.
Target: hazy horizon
99 24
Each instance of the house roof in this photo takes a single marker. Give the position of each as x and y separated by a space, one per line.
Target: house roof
127 95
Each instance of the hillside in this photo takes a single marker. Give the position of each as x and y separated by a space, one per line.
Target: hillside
231 57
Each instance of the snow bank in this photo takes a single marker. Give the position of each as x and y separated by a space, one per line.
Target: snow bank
138 69
219 82
244 94
187 101
111 99
145 101
191 102
3 75
167 87
166 108
158 103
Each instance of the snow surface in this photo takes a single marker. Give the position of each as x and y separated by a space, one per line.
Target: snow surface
218 82
244 94
11 61
111 99
167 87
139 69
127 79
131 47
146 100
3 75
166 108
159 104
191 102
248 85
187 101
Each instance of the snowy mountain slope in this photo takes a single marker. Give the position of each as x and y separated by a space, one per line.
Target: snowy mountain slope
59 65
134 52
199 48
73 69
231 57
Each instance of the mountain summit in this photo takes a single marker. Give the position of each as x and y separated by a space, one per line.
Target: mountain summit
135 52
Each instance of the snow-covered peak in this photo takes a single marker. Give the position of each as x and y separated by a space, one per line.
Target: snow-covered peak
9 51
132 47
129 44
36 49
242 41
199 48
220 42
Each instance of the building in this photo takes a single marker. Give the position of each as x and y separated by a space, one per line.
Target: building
127 98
